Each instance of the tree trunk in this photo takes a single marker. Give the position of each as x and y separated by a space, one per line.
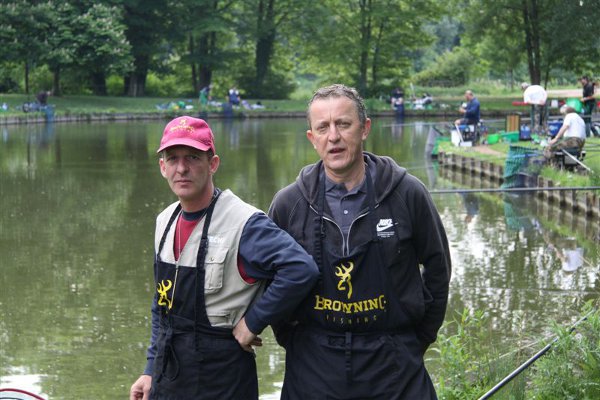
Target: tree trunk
202 69
136 80
376 54
56 82
547 74
99 83
137 85
205 76
535 29
192 51
532 40
365 40
265 42
26 77
205 50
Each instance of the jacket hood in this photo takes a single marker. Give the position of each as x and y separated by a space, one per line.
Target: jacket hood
388 175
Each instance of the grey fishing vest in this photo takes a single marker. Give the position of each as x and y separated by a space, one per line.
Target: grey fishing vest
227 295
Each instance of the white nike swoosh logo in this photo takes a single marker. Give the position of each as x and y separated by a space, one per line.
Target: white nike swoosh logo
383 227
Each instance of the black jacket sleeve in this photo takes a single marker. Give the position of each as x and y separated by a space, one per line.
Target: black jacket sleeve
433 253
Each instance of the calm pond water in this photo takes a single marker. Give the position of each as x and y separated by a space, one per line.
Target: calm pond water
76 225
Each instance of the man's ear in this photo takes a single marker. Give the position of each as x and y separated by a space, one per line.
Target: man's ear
214 163
311 138
366 129
163 169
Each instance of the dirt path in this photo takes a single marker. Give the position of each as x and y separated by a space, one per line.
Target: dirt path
565 93
483 149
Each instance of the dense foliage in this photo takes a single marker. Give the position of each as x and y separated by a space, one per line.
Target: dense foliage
570 369
266 47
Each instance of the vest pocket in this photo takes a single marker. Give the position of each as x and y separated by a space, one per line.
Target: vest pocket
214 267
220 318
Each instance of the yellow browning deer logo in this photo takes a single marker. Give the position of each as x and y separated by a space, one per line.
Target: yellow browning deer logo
162 289
343 273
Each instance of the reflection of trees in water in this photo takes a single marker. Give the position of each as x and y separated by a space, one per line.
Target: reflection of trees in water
431 168
398 127
76 237
232 131
76 245
270 364
267 157
502 266
471 205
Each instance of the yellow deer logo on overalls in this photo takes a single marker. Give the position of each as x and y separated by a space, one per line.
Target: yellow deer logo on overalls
343 273
162 290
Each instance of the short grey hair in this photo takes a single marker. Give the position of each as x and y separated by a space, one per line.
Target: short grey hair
336 91
566 109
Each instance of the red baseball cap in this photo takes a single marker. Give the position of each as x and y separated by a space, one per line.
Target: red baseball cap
188 131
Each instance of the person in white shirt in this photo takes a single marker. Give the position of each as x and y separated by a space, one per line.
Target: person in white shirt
573 131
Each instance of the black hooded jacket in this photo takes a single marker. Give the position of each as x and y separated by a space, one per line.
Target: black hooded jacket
415 246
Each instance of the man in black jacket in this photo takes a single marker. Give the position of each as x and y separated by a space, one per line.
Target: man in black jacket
588 99
384 260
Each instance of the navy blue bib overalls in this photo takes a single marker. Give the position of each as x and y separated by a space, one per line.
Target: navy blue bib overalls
195 360
349 343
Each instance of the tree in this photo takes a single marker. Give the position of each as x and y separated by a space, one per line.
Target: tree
573 43
372 40
23 25
101 45
446 33
60 45
451 68
265 29
549 33
208 26
87 39
152 29
76 35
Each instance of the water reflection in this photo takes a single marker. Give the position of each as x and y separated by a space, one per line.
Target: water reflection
397 130
23 381
76 231
516 215
471 206
502 264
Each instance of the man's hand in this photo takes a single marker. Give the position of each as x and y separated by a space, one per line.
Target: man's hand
245 337
140 390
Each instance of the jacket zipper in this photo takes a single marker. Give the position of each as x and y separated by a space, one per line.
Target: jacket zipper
345 242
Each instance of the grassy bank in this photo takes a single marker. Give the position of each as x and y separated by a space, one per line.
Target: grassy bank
494 97
560 178
471 366
81 104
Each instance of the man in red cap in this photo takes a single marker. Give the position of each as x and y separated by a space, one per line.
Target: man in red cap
214 256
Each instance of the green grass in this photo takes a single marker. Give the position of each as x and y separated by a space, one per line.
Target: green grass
77 104
471 364
73 104
494 96
560 178
82 104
